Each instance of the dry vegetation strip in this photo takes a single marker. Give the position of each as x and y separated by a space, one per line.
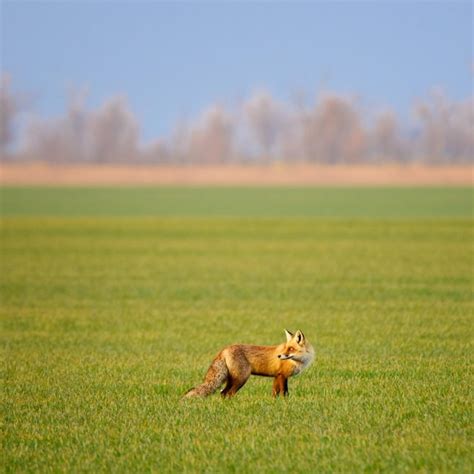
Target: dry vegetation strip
284 174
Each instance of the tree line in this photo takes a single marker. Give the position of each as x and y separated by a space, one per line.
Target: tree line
332 128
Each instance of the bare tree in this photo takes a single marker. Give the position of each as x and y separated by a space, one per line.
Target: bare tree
386 142
115 132
211 139
156 152
447 129
62 139
265 118
9 108
332 132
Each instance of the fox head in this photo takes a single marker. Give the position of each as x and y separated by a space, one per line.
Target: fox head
297 348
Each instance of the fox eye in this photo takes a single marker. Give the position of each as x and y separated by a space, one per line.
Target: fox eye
291 349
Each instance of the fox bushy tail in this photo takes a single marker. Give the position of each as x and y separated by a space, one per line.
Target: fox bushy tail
216 375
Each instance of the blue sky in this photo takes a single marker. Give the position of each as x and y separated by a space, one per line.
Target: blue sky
173 59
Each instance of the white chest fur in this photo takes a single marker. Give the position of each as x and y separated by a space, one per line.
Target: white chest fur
304 362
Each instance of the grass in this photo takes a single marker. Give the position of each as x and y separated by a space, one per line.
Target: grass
106 322
238 202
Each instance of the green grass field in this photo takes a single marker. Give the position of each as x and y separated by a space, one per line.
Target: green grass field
238 202
114 302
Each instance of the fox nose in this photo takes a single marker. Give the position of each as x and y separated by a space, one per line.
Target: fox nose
279 356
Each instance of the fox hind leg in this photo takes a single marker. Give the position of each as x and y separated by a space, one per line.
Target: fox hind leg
235 381
239 371
227 387
235 385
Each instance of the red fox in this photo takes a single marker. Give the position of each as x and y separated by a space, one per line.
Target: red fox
235 363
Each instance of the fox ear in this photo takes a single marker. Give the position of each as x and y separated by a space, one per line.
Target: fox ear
299 336
288 335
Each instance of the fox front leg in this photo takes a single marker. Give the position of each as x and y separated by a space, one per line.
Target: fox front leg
280 386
